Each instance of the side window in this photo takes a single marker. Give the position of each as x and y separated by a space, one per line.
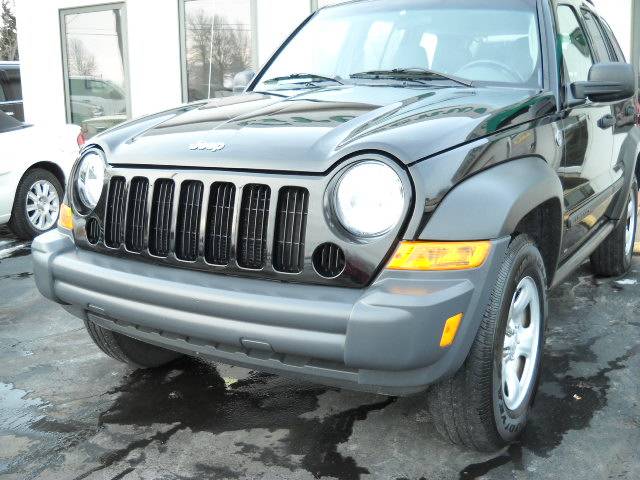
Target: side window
575 46
603 50
5 94
13 76
613 41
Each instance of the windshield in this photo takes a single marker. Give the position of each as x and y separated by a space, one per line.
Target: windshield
493 41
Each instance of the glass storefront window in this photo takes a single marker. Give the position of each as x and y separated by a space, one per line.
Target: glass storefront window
218 42
95 71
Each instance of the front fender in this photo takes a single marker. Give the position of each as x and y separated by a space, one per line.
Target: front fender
492 203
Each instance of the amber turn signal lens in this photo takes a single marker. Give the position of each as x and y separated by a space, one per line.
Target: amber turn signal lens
450 329
66 217
440 256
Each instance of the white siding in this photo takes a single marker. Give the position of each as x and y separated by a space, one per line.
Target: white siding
153 48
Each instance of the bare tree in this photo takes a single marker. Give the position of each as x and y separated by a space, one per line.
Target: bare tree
8 32
81 61
224 49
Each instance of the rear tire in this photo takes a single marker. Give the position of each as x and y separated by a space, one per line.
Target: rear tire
474 408
128 350
613 257
31 202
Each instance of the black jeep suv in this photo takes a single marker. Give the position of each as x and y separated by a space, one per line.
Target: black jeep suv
384 208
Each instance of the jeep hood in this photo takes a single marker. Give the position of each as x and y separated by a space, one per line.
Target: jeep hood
309 132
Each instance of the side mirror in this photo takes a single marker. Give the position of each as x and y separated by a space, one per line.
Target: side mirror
608 82
242 79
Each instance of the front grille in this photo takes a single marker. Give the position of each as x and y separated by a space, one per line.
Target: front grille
137 214
114 218
160 225
254 218
219 223
208 223
188 225
288 255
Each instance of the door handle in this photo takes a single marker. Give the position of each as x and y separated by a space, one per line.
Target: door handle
607 121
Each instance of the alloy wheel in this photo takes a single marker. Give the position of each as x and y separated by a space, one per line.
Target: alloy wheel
42 205
521 344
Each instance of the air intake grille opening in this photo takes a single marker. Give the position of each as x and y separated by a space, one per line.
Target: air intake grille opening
254 217
328 260
219 223
293 204
161 211
114 219
93 231
137 214
188 227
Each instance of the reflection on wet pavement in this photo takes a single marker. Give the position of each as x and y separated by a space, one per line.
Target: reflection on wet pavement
67 411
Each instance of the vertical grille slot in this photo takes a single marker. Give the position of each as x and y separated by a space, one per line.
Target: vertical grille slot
114 218
219 223
291 225
188 227
254 217
161 211
137 214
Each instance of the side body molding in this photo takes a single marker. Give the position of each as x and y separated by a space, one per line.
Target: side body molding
492 203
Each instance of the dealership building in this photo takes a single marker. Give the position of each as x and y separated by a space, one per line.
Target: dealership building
96 64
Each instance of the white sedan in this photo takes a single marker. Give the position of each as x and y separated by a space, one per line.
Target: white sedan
35 163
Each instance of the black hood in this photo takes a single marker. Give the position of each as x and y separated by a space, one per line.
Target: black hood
311 131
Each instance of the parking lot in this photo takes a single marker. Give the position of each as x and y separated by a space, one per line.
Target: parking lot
69 412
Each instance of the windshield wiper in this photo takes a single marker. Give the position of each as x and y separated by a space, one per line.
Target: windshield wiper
410 74
311 76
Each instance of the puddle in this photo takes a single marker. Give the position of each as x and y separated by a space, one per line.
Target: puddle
573 403
191 394
476 470
20 250
18 412
17 276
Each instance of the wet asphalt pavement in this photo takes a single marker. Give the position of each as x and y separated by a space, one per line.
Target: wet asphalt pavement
69 412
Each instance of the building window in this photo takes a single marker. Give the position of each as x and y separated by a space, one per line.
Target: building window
219 40
95 66
316 4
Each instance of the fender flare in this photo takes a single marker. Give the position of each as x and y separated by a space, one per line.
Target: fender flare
492 203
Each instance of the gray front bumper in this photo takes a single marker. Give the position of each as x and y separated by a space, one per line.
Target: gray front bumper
384 338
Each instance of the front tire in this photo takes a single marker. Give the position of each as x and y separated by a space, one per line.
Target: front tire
486 404
36 207
613 257
128 350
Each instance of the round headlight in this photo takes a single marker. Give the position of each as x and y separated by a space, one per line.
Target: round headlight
369 199
90 179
